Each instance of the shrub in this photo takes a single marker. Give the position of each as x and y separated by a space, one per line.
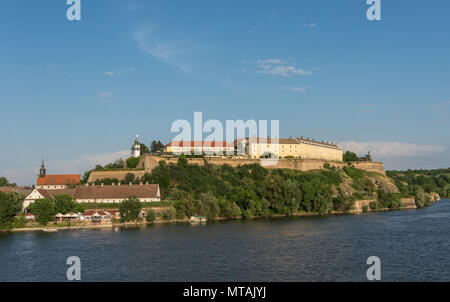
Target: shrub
365 208
169 214
44 211
19 222
151 216
350 156
130 209
132 162
10 205
421 198
354 173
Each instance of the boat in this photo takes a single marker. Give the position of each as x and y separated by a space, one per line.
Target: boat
198 219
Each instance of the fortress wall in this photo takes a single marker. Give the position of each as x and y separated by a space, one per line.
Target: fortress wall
96 175
295 164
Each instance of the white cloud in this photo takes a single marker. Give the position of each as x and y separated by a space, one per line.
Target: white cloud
308 25
119 71
391 149
296 89
27 176
167 52
279 67
105 94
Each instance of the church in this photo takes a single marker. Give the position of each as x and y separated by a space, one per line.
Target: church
56 182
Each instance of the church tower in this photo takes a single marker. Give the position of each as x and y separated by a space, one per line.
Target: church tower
42 171
136 149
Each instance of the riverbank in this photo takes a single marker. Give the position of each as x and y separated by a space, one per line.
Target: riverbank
359 206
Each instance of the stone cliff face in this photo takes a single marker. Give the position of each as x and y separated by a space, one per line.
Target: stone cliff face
151 162
381 182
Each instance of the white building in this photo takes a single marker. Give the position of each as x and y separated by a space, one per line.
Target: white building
136 149
100 194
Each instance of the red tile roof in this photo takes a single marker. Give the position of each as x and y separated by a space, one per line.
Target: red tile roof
59 180
105 192
198 144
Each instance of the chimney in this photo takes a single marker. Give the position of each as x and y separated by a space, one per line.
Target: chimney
140 183
146 183
102 184
93 184
113 184
118 183
87 184
130 183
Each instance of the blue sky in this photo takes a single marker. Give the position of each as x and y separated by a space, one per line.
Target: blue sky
76 93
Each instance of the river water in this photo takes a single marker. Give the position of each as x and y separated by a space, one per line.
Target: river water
413 245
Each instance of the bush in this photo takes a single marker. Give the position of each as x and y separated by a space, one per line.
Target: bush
151 216
10 205
247 214
43 210
169 214
350 156
65 204
365 208
354 173
129 178
421 198
132 162
19 222
130 209
229 209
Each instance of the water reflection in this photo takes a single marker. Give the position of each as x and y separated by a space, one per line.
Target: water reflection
413 246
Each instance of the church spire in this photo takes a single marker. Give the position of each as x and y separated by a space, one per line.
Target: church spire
42 170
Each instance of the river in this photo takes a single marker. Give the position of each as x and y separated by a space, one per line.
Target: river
413 245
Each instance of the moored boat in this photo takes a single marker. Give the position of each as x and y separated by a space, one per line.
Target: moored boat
198 219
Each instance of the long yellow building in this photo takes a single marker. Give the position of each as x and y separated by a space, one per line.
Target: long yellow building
289 147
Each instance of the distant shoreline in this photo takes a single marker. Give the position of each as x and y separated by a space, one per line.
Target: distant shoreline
144 223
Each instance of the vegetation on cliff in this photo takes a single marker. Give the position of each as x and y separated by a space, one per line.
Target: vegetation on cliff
251 190
410 182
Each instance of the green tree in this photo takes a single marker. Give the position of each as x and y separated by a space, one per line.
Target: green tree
350 156
19 222
156 147
229 209
421 198
208 206
144 149
129 177
43 210
65 204
130 209
5 183
150 216
10 205
132 162
169 214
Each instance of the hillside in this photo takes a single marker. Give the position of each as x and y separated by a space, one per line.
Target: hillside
428 180
251 190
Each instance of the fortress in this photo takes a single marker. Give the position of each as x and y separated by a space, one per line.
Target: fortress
302 154
148 163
